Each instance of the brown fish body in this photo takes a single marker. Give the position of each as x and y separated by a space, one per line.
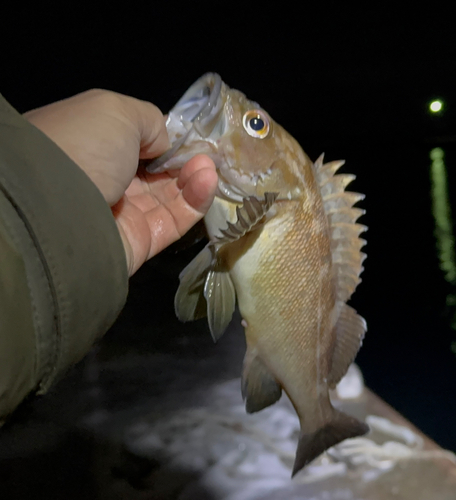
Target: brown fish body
289 251
286 290
286 296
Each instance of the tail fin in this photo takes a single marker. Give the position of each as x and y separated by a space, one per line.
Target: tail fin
312 445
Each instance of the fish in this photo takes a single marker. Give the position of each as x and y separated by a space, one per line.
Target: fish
284 244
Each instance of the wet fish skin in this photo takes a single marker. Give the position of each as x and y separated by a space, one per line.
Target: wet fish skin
292 263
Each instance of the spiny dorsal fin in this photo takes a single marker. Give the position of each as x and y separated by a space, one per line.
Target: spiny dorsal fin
345 241
347 256
341 245
259 387
344 230
348 215
349 333
336 184
324 171
344 199
248 216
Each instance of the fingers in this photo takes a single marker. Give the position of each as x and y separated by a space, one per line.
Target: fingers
170 221
163 227
198 162
153 219
151 124
104 133
193 195
135 233
147 234
197 178
199 190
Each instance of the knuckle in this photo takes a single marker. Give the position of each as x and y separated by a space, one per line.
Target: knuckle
153 109
103 98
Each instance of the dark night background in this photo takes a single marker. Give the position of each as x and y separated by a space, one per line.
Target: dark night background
355 84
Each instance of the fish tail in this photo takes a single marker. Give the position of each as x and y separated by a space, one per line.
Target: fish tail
311 445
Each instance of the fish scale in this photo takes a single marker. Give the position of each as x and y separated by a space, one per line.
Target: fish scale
291 296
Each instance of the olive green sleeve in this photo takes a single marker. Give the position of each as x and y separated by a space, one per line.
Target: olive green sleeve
63 271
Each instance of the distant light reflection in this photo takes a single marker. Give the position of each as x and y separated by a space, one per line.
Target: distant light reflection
441 210
443 232
436 106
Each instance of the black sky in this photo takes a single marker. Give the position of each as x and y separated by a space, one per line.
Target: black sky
327 71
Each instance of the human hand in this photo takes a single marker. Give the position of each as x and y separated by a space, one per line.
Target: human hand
106 134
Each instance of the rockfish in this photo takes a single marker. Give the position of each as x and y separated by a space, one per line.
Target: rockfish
284 241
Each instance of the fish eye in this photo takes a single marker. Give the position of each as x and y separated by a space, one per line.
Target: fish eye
256 123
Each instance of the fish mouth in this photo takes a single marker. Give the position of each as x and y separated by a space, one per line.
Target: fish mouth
228 190
237 184
197 110
201 103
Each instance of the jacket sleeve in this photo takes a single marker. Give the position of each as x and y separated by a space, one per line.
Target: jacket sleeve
63 270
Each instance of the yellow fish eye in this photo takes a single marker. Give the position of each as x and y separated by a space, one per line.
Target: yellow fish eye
256 123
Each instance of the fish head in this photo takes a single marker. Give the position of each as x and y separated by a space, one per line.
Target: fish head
253 154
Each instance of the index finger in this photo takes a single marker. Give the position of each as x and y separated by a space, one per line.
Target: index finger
151 125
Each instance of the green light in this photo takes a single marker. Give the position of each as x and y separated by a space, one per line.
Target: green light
443 231
441 210
436 106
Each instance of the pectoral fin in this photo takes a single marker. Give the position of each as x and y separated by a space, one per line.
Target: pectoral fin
249 216
219 289
206 288
259 387
350 329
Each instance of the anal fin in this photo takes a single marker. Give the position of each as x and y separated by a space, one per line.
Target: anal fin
259 387
350 329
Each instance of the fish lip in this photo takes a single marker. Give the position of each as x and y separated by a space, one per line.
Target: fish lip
236 183
230 186
229 191
196 109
